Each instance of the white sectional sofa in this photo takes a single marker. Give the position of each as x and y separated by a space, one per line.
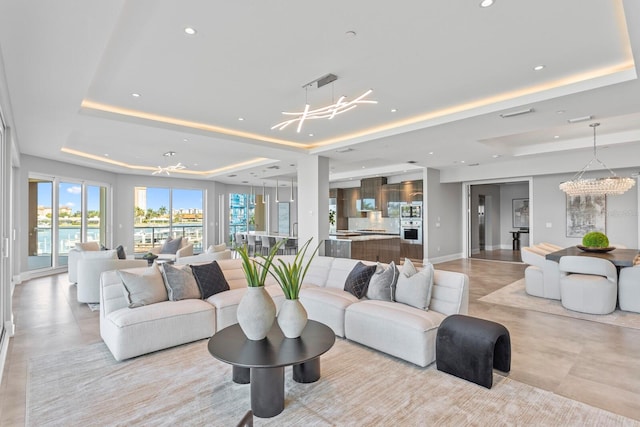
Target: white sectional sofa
394 328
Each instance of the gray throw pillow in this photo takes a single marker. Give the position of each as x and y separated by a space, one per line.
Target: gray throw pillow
171 246
358 279
143 289
180 282
415 290
121 253
382 282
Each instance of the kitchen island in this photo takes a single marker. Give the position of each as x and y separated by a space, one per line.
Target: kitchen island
369 247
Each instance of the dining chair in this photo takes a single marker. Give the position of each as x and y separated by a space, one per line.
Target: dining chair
629 289
588 284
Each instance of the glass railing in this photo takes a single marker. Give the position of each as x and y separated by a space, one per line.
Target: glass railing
146 238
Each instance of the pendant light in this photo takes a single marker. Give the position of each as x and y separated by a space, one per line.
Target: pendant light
610 185
277 191
291 199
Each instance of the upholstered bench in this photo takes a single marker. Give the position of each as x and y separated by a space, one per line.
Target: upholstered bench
470 348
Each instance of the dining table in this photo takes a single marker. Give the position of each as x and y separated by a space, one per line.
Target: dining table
619 257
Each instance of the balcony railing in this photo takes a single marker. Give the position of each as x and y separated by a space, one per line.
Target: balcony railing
146 238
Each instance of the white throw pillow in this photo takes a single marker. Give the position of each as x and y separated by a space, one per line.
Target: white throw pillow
415 290
217 248
408 269
88 246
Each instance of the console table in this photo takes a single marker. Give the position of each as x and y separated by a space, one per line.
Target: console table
262 363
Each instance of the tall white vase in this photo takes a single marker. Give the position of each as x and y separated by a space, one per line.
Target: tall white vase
256 313
292 318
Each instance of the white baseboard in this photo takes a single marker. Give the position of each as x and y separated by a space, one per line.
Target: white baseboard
444 258
4 349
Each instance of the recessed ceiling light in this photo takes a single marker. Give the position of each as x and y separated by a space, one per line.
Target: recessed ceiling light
363 167
240 118
556 136
106 154
310 134
190 31
462 161
560 112
495 156
486 3
393 110
169 153
185 140
538 67
430 153
136 95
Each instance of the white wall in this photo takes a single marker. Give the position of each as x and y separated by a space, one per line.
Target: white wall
550 208
443 205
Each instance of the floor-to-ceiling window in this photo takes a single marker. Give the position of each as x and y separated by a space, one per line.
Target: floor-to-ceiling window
62 213
242 213
40 245
167 212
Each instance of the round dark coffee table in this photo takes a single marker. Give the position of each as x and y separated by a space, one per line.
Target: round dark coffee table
262 363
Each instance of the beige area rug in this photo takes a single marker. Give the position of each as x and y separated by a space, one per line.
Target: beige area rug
185 386
514 295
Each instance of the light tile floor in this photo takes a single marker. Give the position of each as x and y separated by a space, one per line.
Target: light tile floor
587 361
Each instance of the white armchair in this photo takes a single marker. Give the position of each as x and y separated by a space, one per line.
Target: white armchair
629 289
588 284
542 277
75 254
89 271
186 249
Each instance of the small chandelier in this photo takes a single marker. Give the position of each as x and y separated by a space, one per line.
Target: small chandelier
611 185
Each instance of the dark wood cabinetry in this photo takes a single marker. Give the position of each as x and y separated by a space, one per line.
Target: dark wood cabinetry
351 197
336 197
370 193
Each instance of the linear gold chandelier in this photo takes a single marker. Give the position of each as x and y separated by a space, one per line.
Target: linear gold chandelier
610 185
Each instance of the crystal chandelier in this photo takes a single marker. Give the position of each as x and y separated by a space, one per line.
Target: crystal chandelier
611 185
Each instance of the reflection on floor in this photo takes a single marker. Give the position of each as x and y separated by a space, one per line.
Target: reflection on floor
506 255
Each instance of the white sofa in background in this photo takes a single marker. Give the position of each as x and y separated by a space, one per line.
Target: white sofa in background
90 270
186 249
401 330
205 257
542 277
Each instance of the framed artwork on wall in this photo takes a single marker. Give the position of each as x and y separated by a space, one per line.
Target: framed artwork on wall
585 214
520 213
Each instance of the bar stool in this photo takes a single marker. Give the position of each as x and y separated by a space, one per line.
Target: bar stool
267 243
291 247
253 244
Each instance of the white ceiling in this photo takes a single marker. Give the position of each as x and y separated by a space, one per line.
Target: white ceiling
450 68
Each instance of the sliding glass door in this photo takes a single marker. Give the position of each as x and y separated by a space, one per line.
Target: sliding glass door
40 245
61 214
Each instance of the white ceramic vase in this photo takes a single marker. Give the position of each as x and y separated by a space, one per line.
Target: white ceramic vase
292 318
256 313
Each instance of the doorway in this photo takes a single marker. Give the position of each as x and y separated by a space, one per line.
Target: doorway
491 220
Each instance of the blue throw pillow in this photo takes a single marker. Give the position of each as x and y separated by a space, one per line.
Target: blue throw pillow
358 279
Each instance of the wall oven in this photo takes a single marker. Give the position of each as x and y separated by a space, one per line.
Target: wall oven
411 231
